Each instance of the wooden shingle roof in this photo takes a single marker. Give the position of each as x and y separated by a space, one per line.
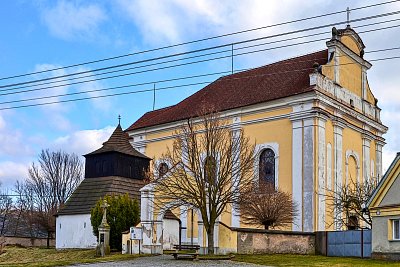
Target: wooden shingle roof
118 142
278 80
92 189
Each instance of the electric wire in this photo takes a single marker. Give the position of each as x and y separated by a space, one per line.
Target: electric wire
210 48
179 65
177 86
201 40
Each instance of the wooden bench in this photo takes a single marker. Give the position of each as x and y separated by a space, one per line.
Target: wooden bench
191 251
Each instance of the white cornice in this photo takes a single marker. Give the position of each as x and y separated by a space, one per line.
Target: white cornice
237 112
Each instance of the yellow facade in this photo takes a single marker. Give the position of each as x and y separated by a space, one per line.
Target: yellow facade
320 140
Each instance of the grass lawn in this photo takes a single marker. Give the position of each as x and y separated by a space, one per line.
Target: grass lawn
308 260
15 256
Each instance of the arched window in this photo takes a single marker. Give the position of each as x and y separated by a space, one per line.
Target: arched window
267 166
210 169
162 169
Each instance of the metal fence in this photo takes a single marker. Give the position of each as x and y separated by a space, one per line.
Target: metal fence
351 243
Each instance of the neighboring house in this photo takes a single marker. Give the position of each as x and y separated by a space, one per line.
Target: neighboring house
315 122
384 207
115 168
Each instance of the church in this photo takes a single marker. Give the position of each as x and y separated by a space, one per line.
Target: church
313 116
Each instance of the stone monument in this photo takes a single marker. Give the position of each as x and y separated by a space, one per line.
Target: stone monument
104 232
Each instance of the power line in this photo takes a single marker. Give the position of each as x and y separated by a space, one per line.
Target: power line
204 39
183 64
177 86
205 49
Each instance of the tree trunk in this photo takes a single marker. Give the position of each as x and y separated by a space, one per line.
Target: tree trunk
266 226
210 237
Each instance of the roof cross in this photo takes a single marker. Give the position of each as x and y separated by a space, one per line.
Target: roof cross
119 119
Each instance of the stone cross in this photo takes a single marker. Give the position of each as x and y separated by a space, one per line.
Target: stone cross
104 206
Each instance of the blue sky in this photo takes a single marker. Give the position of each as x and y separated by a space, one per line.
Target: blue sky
41 35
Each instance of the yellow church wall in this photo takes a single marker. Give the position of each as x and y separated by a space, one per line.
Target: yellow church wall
281 134
352 140
261 115
329 139
350 43
328 70
227 238
350 75
370 97
157 148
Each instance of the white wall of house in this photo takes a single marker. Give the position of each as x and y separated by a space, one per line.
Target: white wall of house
170 233
74 231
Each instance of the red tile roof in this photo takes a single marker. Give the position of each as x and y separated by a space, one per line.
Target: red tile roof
277 80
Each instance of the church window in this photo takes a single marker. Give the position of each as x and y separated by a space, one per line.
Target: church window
267 166
162 169
352 223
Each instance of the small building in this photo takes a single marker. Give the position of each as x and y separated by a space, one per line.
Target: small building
384 207
115 168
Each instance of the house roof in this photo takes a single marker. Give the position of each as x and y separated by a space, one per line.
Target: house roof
92 189
118 142
277 80
385 183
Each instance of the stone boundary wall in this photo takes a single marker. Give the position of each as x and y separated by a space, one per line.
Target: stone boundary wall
258 241
29 242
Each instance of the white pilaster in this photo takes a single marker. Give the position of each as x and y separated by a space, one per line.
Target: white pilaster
308 175
338 164
183 217
297 172
321 174
366 159
378 149
235 219
147 217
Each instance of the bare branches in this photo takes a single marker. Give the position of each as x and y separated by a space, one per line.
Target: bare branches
264 205
207 163
51 181
348 203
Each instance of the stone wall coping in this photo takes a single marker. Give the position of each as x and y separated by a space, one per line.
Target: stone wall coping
277 232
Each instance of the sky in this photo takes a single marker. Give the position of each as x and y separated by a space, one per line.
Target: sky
45 35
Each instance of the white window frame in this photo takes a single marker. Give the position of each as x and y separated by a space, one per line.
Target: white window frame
259 149
393 229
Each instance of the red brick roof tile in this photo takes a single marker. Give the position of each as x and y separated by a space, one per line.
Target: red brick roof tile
277 80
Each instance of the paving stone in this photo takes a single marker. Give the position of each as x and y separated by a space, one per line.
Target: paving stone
166 261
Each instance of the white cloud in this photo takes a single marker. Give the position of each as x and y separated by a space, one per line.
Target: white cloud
10 172
12 141
69 20
84 141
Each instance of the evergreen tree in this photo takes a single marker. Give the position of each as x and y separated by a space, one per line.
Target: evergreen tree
122 213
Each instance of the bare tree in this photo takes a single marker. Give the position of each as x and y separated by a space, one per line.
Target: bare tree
348 203
6 205
267 206
51 181
206 165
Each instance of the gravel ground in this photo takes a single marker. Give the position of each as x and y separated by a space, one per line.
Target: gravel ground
168 260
